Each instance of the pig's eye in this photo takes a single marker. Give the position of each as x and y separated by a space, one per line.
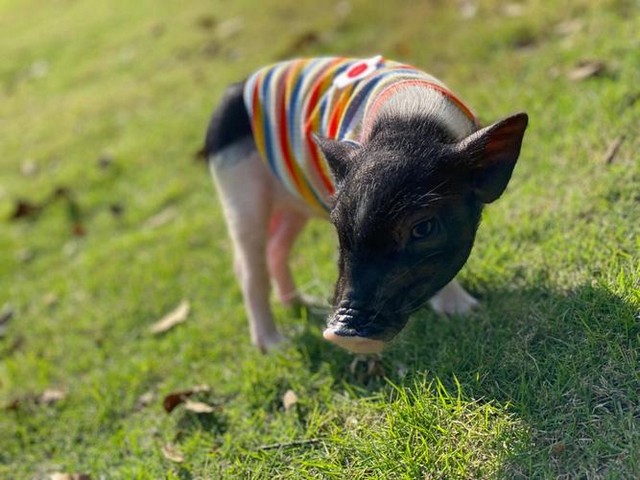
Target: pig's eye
424 229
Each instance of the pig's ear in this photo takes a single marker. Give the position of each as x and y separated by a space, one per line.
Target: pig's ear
339 155
491 154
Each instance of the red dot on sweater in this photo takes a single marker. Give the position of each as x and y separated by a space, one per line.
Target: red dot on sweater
357 69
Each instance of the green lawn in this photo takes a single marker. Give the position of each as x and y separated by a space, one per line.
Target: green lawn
109 100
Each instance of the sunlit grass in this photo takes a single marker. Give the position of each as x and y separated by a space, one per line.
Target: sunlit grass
542 382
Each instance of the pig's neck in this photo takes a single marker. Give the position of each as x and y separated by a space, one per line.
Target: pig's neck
420 103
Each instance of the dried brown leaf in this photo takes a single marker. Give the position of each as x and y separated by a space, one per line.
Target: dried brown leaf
170 452
69 476
144 400
29 168
587 69
612 151
161 218
173 318
206 22
289 400
558 449
173 399
569 27
198 407
51 396
230 28
6 315
25 209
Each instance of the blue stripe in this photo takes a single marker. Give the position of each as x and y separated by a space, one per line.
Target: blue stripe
268 144
362 95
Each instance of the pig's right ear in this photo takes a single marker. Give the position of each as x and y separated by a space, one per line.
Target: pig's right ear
491 154
339 155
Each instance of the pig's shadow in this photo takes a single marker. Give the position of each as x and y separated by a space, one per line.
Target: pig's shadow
511 325
536 350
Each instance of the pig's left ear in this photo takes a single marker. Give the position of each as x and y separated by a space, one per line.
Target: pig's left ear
491 153
339 155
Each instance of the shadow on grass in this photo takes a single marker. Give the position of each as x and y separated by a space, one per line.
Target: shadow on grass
564 363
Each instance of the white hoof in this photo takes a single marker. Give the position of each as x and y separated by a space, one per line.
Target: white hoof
453 300
266 343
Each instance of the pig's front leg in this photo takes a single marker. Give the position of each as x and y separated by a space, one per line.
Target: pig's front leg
285 227
453 300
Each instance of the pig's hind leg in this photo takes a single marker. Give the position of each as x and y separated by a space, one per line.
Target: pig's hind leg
453 300
246 192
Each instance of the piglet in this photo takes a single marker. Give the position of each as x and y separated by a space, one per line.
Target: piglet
388 154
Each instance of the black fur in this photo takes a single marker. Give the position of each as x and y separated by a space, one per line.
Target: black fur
229 122
410 171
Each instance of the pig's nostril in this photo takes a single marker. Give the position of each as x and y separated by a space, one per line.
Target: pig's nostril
352 304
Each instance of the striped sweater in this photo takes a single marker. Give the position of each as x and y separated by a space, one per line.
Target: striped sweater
333 97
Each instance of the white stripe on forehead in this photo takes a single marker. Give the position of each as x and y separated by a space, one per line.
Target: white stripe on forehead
419 101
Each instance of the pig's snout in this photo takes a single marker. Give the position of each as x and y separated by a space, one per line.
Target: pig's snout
352 328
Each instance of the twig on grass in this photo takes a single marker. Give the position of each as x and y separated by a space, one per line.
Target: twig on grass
295 443
612 151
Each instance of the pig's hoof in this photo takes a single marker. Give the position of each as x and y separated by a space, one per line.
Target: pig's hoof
454 301
269 342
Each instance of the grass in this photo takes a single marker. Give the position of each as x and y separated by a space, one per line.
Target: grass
543 382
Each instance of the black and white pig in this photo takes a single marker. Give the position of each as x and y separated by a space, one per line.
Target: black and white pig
389 155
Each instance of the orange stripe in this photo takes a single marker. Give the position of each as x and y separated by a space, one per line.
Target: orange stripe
339 110
258 131
312 121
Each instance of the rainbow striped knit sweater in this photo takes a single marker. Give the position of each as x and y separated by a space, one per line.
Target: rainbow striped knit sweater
331 96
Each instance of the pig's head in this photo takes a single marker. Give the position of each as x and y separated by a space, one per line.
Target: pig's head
406 209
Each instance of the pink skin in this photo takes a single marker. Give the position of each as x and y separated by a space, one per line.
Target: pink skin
354 344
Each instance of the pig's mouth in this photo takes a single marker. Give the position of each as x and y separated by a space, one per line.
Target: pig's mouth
361 330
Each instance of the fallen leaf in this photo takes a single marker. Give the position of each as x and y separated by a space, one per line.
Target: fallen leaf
161 218
38 69
29 168
289 399
467 8
229 28
171 319
301 42
612 151
198 407
46 398
557 449
513 10
116 209
587 69
157 29
144 400
51 396
25 209
342 9
569 27
50 299
105 161
170 452
6 314
206 22
173 399
25 255
69 476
